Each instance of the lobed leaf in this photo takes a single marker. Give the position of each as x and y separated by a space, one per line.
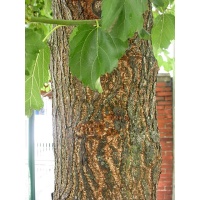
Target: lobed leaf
158 3
35 81
93 53
110 12
163 31
123 15
33 44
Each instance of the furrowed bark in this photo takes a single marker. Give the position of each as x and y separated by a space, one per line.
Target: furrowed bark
106 145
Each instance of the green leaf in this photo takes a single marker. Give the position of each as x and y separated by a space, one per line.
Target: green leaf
164 60
73 34
163 31
33 44
124 15
166 4
171 1
27 1
33 40
35 81
162 5
167 64
158 3
110 12
47 11
93 53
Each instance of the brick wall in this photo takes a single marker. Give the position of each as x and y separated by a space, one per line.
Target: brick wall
164 99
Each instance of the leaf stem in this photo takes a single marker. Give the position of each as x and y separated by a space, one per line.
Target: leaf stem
97 23
51 32
61 22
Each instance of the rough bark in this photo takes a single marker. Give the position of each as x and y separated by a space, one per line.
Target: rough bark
106 145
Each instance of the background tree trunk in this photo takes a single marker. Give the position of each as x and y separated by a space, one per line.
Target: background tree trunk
106 145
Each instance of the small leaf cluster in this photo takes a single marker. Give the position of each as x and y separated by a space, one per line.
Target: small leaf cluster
163 32
37 55
37 59
38 8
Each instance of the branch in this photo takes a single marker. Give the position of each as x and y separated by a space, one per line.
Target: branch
62 22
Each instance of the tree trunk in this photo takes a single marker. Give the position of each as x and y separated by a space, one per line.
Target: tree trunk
106 145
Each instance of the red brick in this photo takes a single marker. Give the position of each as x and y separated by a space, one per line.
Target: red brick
166 135
165 111
160 98
161 122
164 97
168 188
159 116
165 130
168 107
168 161
162 130
168 89
160 84
166 121
160 195
167 181
168 193
160 107
163 89
160 89
167 148
168 98
168 197
168 153
167 175
160 103
169 116
169 171
167 157
162 188
169 111
162 114
161 125
166 140
161 111
169 125
160 94
164 184
166 165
